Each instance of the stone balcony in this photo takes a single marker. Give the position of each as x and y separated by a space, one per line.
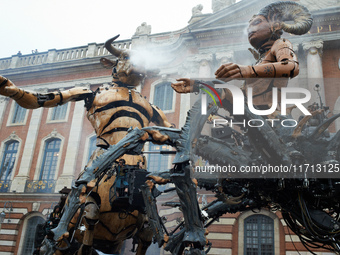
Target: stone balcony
40 186
54 56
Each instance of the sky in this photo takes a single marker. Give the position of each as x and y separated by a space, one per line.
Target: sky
27 25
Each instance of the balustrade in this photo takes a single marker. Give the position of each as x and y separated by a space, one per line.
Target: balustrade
53 56
40 186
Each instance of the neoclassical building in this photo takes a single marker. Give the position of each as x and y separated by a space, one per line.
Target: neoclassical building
43 150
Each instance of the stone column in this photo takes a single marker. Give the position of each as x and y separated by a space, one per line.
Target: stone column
204 60
19 181
72 147
314 69
3 105
188 69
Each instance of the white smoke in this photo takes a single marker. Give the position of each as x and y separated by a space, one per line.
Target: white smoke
151 58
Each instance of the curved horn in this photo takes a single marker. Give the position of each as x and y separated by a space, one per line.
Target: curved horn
289 11
110 48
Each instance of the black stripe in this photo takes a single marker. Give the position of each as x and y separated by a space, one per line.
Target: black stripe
115 130
14 94
23 93
61 98
130 97
156 117
124 103
103 146
124 113
3 82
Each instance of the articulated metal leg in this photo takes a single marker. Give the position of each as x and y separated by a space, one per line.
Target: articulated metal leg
151 210
71 207
187 193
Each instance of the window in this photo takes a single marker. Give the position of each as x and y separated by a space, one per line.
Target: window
258 235
59 112
158 162
163 96
8 160
50 159
28 244
92 146
19 114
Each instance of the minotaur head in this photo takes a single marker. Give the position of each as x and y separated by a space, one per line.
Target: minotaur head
123 69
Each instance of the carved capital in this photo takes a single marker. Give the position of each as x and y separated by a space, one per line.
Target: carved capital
203 56
313 47
224 56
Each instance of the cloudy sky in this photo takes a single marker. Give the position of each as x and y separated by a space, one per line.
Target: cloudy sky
57 24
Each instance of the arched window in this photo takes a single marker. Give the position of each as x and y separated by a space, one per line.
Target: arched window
258 235
92 146
8 160
28 244
59 112
163 96
50 159
19 114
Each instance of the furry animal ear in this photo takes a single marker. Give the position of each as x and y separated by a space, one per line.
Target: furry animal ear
107 63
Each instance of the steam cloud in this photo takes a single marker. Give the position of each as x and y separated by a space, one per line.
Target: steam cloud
150 58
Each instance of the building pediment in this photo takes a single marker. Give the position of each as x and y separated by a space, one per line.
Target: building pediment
231 16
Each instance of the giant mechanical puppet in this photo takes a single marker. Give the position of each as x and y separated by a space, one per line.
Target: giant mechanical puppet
112 111
120 117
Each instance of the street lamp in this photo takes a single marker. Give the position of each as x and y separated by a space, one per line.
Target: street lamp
2 217
8 206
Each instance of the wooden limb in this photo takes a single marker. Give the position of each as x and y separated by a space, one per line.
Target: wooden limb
297 131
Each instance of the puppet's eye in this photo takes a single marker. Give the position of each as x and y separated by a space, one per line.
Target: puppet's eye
256 22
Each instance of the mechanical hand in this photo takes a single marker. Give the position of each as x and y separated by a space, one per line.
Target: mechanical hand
184 85
7 88
234 71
